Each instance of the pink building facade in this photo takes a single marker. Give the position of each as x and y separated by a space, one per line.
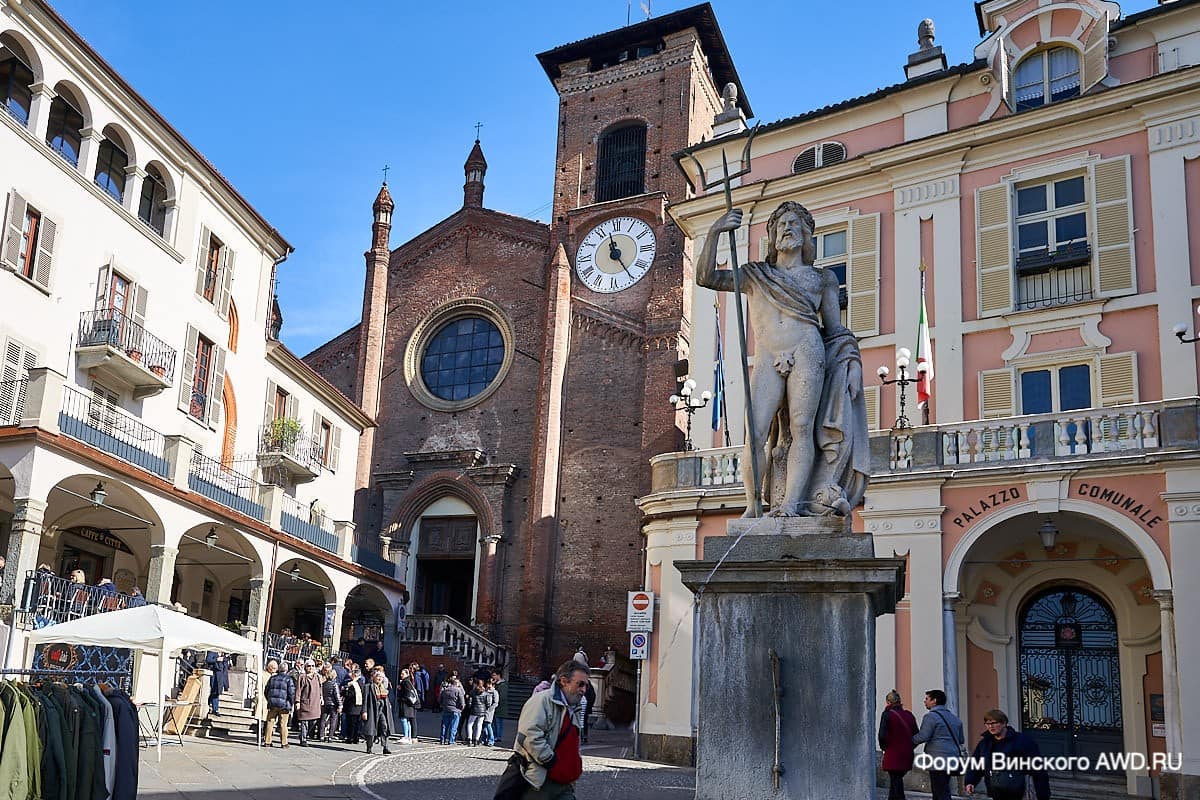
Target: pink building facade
1048 499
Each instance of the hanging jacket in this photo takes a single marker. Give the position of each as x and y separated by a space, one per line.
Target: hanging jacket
14 774
31 711
54 756
89 773
108 740
125 730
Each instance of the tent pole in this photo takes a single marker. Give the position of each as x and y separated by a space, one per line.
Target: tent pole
159 698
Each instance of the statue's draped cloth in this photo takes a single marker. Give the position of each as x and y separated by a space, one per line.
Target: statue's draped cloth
840 428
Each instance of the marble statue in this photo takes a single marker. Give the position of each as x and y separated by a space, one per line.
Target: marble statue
810 418
729 96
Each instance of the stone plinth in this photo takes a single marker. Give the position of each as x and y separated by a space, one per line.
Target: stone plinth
810 590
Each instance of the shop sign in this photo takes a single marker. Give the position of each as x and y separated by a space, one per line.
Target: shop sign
100 537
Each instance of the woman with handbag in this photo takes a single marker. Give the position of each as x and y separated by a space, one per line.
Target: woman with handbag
1005 784
897 726
409 700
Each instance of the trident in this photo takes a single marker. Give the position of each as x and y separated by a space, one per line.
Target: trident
727 183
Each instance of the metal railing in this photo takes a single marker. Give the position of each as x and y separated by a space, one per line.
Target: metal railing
225 485
1055 287
291 441
462 640
47 599
306 523
372 561
12 401
110 327
95 421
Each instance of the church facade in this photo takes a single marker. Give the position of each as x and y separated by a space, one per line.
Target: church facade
520 372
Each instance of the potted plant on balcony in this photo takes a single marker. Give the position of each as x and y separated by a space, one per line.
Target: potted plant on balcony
159 369
282 434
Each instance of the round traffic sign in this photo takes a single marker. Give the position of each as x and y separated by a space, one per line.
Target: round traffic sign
639 640
640 601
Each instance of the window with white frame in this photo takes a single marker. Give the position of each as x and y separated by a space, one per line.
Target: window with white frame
327 441
831 255
1056 388
1053 263
1045 77
152 205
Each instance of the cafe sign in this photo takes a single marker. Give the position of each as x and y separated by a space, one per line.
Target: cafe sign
100 537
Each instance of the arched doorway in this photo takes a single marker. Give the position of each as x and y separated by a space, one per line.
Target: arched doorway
1070 673
444 553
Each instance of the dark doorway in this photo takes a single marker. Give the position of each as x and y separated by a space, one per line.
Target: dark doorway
1070 673
446 567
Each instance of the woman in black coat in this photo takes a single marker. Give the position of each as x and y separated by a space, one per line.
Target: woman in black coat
409 700
377 712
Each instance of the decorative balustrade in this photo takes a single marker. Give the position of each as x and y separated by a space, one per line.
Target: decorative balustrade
96 421
47 599
1084 433
307 523
225 485
461 640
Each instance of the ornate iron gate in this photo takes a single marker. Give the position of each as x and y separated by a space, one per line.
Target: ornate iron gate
1070 673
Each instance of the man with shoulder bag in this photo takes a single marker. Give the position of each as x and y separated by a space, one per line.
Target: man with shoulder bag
546 760
942 734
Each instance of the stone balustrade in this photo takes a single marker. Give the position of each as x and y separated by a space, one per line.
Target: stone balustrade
460 639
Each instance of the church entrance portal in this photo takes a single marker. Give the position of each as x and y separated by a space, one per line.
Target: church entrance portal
445 580
1070 673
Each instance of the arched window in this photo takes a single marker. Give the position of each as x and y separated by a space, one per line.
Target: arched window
621 163
111 163
152 207
1046 77
63 133
819 155
16 78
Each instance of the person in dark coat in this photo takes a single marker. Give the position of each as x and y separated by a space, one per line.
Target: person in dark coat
1005 784
410 699
219 680
897 726
589 700
125 725
377 713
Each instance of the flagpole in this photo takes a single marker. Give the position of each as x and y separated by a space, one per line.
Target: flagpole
928 356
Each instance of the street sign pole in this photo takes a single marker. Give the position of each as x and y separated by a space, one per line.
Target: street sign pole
637 712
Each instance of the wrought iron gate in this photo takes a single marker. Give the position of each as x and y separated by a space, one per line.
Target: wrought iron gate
1070 673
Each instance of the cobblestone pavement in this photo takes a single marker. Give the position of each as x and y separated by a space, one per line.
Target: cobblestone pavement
214 769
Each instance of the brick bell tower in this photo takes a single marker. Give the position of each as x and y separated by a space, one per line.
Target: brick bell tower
618 312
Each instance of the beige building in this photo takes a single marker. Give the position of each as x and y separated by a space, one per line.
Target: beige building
1048 505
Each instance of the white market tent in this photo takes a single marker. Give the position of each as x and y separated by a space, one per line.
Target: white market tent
157 630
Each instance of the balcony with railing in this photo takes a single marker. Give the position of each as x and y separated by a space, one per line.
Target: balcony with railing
284 444
226 486
94 420
305 522
1072 437
119 351
46 599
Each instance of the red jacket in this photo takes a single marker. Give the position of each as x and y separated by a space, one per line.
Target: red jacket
896 729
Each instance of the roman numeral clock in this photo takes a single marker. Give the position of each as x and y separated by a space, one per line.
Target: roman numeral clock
615 254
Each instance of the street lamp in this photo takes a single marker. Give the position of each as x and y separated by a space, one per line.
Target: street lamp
1048 532
903 381
211 538
690 405
98 495
1180 330
294 572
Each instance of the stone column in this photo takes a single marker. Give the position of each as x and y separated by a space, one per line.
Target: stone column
162 573
1170 667
1183 506
256 611
24 541
950 651
43 399
178 452
134 175
800 598
39 110
344 531
270 497
89 151
485 594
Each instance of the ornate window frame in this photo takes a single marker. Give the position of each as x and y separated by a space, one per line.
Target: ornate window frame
423 334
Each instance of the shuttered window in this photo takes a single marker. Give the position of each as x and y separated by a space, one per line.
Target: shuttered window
819 155
1113 203
871 398
862 282
29 238
18 360
997 394
202 379
621 163
214 271
994 249
1118 379
329 440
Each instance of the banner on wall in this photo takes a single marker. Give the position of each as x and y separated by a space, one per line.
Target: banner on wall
110 664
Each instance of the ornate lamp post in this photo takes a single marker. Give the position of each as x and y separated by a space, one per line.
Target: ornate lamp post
690 405
903 381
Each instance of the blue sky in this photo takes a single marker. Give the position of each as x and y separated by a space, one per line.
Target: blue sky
300 104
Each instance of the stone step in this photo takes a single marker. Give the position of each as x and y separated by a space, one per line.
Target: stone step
1098 787
224 721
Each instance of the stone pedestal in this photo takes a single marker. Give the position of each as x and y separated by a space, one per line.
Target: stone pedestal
810 590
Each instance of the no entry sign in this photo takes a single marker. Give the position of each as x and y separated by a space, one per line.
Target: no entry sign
639 612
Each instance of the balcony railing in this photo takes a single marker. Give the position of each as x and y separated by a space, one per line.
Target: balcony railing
462 640
1089 433
285 443
1054 286
12 401
307 524
372 561
225 485
47 599
114 430
110 327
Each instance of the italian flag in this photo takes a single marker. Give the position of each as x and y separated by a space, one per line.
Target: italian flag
924 354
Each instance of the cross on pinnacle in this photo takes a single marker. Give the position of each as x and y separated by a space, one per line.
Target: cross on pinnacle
385 172
478 125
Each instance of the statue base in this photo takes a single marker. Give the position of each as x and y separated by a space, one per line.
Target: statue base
809 590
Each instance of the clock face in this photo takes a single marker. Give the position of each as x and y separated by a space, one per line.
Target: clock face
615 254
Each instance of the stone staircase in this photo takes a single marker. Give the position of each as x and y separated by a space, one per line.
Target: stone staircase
233 720
519 691
460 641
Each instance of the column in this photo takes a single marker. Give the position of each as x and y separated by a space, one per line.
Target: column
270 497
256 612
43 399
23 544
133 188
89 151
178 452
39 110
332 634
162 574
950 651
1183 505
1166 605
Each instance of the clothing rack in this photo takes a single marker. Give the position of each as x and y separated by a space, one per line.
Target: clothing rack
122 679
